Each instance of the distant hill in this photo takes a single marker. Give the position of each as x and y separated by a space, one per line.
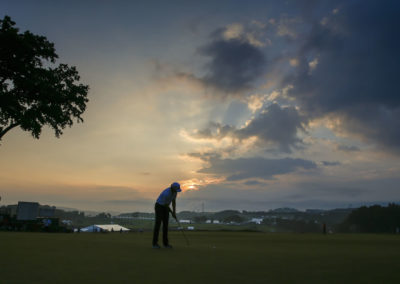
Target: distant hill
284 210
87 212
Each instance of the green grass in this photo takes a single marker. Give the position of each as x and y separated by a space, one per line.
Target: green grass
212 257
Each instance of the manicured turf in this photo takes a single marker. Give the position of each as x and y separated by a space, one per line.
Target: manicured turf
212 257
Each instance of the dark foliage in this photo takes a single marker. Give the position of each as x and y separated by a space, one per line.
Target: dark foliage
103 215
373 219
221 215
200 219
233 219
34 91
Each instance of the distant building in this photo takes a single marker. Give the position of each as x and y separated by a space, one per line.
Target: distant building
27 210
216 222
185 221
9 209
258 221
47 211
31 210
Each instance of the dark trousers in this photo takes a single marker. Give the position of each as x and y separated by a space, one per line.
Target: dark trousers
162 215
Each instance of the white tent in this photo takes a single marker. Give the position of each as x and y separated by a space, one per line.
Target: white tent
107 228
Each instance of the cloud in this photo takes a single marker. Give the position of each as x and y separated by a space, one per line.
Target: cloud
235 63
88 197
275 127
245 168
347 68
233 31
309 193
215 130
288 26
346 148
131 203
204 156
328 164
253 33
253 182
256 102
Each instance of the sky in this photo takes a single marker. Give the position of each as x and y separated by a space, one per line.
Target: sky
250 105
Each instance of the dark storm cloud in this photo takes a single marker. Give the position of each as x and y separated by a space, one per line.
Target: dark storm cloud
378 123
278 125
275 125
245 168
234 64
349 68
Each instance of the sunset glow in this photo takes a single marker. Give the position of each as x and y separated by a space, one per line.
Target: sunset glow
249 105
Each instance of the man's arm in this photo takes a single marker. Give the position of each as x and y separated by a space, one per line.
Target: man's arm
173 211
174 208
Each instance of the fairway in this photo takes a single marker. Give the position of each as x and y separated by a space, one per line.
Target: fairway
212 257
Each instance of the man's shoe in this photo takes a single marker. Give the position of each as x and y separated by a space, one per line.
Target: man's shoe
168 246
156 246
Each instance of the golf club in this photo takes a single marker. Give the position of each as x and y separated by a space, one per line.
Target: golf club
184 235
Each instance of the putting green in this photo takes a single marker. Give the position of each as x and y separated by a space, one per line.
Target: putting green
212 257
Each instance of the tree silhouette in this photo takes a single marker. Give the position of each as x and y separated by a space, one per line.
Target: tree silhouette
34 91
373 219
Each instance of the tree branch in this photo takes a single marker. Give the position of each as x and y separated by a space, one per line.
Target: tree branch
8 128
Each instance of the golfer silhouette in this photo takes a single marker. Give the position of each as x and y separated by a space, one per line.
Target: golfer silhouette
162 210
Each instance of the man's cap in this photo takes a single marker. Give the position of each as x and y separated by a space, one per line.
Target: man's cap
176 186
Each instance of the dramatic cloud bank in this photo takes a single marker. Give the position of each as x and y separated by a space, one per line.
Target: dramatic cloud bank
328 68
348 66
275 127
234 65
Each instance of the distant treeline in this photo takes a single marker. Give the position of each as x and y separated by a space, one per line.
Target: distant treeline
373 219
